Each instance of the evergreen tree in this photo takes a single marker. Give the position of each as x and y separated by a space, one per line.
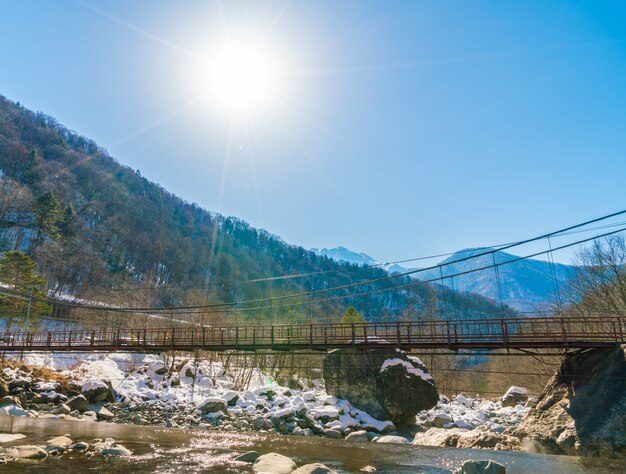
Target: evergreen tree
18 273
47 216
351 315
68 225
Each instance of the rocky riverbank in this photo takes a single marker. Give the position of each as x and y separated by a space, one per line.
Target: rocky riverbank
144 390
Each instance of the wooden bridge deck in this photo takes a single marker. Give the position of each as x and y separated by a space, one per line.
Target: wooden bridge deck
504 333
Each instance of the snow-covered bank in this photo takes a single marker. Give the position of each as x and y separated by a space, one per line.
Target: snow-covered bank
147 389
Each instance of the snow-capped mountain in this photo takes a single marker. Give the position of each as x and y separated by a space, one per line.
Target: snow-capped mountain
525 285
343 254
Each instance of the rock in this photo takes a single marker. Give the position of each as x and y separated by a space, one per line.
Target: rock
19 383
274 463
63 441
26 451
79 402
386 383
480 467
101 412
479 438
212 405
582 409
7 438
109 447
441 419
326 413
250 456
10 400
96 391
230 397
333 434
62 409
389 439
80 446
358 437
515 396
13 410
314 469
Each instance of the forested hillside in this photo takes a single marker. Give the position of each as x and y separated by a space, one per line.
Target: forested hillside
99 231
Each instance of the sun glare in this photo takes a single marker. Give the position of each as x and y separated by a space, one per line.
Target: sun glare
242 78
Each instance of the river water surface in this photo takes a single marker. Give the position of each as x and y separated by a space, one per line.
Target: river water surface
160 450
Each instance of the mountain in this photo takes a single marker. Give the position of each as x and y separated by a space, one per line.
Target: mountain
343 254
526 285
99 231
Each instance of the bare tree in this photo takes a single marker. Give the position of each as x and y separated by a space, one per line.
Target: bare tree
599 285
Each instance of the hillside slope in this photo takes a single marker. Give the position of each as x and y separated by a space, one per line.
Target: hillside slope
526 285
100 231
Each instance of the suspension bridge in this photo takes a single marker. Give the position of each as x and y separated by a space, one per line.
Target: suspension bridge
509 331
498 333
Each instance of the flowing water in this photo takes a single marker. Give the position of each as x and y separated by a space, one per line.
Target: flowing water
159 450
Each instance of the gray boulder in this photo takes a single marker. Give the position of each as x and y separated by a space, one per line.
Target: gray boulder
480 467
582 409
314 469
26 452
390 439
96 391
358 437
515 396
211 405
101 412
384 382
79 402
250 456
274 463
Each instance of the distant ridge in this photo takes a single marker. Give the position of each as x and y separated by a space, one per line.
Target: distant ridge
526 285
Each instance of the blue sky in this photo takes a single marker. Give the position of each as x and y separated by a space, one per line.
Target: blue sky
403 129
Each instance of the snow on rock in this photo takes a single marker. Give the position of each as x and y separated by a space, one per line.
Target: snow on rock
92 385
426 377
471 413
149 389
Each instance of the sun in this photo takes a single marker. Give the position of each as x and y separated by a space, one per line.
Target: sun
243 77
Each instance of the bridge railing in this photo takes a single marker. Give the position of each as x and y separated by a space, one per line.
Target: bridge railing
487 333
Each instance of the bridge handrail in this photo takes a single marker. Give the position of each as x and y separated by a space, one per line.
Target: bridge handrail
503 331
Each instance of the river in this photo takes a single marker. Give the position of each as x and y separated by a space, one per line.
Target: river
160 450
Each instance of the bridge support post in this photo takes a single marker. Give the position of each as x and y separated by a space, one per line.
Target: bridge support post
93 339
353 335
398 334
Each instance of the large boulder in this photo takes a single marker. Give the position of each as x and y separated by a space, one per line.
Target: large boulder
479 438
582 409
384 382
212 405
314 469
515 396
97 391
274 463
